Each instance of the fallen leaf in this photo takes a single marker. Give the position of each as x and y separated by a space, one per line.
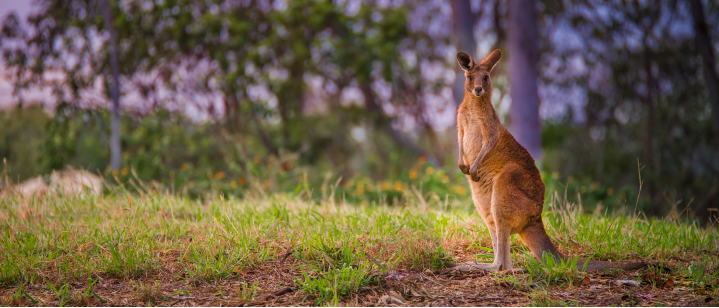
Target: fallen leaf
20 301
668 283
586 280
391 298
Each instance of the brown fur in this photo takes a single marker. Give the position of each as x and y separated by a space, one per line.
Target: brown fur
505 182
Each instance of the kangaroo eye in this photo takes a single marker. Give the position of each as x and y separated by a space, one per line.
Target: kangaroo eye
470 77
486 77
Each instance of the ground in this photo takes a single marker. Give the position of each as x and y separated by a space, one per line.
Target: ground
159 249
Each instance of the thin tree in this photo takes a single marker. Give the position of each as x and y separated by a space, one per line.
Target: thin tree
523 55
704 44
115 150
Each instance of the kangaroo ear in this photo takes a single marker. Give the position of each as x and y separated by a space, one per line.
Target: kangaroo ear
491 61
465 61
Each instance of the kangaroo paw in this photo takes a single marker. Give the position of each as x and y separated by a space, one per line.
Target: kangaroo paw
474 174
464 169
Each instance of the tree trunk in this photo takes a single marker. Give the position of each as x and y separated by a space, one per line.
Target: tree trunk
115 150
704 45
464 22
522 41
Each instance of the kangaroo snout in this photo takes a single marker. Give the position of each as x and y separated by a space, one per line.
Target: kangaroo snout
477 91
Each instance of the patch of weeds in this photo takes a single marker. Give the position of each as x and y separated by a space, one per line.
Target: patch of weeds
128 261
86 296
63 293
419 252
705 271
20 258
335 283
210 265
247 292
551 270
149 293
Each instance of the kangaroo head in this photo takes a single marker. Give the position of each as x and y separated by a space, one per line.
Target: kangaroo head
477 80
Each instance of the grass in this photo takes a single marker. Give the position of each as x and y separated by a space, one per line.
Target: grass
339 248
551 270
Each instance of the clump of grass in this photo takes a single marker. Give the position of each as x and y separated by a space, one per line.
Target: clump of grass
541 298
63 293
149 293
213 263
331 285
128 260
246 291
551 270
703 272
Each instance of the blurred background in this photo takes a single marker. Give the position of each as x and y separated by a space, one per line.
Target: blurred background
618 101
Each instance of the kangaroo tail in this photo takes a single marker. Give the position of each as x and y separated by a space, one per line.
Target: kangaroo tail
539 243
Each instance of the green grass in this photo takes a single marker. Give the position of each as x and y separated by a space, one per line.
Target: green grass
551 270
339 247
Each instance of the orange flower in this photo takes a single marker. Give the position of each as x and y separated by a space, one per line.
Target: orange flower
243 181
124 171
422 160
219 175
185 167
412 174
233 184
257 159
460 190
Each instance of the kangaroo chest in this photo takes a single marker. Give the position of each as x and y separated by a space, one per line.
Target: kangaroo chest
473 136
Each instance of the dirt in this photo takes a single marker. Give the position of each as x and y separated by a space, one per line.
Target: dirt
276 287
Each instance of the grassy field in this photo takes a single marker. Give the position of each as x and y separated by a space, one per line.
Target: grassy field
161 249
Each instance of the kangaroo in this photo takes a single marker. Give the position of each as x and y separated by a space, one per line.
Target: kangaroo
507 189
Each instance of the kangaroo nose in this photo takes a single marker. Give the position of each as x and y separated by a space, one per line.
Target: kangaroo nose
477 91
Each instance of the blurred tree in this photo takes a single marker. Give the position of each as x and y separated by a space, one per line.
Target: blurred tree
524 111
115 148
464 22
